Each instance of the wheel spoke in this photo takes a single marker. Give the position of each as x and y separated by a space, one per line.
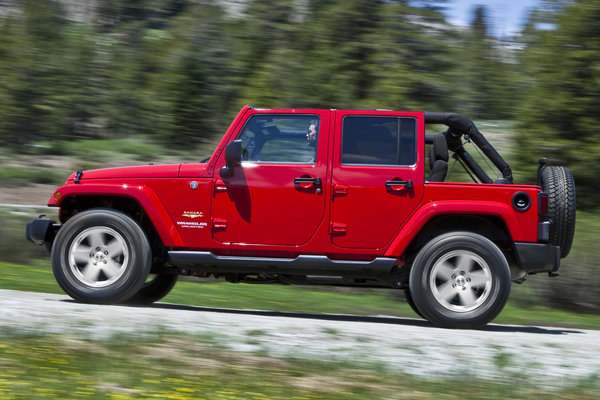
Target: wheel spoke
115 248
446 291
444 271
90 273
111 269
479 279
81 254
465 262
467 297
96 239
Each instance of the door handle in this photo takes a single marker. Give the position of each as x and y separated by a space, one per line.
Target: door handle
338 229
398 185
307 181
340 190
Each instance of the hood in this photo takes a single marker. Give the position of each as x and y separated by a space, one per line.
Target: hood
143 171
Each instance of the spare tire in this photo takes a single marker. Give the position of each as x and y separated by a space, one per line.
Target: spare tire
558 182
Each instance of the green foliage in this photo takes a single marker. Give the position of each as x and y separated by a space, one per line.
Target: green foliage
15 248
19 176
177 71
562 96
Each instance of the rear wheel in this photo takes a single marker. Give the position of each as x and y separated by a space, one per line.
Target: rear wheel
559 184
101 256
460 280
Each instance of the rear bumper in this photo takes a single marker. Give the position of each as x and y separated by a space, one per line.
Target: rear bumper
537 257
41 231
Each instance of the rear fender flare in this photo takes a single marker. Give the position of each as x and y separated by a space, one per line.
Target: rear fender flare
428 211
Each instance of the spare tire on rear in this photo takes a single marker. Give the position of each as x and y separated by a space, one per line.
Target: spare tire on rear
558 182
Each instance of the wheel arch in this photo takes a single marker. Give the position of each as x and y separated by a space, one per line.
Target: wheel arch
437 219
490 226
145 210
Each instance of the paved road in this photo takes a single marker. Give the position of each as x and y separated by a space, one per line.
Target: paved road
550 356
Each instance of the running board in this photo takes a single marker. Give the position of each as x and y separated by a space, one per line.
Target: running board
301 265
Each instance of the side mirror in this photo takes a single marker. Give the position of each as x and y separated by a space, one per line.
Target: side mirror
233 157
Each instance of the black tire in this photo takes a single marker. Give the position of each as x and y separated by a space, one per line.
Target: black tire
460 280
154 289
101 256
411 303
558 182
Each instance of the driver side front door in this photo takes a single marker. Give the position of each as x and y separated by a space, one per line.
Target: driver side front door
275 197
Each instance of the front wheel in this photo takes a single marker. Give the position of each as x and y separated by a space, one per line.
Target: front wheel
155 288
460 280
101 256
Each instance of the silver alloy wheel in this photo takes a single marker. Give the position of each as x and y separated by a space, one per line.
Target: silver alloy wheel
98 256
460 281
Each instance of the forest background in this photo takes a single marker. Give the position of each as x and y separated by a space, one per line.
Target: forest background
175 72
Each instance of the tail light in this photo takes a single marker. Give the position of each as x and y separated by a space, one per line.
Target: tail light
543 203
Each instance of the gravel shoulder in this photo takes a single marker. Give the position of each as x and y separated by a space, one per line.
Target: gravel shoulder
545 356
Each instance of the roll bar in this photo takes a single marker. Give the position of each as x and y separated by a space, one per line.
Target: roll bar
460 125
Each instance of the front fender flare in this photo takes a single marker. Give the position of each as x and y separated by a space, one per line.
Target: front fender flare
144 195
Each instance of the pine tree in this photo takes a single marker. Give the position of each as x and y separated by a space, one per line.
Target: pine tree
561 71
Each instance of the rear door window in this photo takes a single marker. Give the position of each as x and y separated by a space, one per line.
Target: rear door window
379 140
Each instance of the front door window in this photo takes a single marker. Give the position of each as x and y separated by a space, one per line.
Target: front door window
281 139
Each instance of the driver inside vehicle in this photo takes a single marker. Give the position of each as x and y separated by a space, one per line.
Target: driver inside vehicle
313 133
312 136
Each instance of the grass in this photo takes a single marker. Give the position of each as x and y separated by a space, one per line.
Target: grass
37 277
188 367
20 176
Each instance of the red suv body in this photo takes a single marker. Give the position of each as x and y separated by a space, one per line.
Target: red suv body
355 205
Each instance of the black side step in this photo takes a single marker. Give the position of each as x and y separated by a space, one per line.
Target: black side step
302 265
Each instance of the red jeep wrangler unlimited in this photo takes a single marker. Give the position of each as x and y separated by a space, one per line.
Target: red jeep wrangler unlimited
332 197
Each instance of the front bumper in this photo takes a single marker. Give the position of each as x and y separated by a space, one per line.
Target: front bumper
537 257
41 231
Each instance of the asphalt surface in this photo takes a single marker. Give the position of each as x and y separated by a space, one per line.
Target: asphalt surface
545 356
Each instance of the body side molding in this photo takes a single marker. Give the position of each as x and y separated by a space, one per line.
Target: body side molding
303 264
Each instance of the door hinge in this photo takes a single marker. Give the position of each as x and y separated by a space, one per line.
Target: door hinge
219 224
220 186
